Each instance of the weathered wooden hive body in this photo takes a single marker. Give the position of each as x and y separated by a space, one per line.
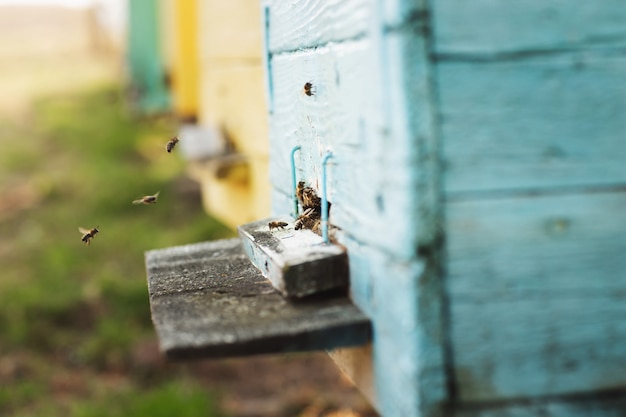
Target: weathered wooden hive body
478 182
477 174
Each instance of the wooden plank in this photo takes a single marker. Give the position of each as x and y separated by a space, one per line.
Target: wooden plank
537 289
305 24
208 300
184 72
233 99
602 404
403 301
356 364
308 24
297 262
540 122
493 26
238 22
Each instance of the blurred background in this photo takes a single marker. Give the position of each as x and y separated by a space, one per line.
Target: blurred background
85 111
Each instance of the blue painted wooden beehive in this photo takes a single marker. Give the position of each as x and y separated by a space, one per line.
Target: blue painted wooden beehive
478 183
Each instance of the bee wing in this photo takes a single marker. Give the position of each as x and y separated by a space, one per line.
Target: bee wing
138 201
83 230
156 195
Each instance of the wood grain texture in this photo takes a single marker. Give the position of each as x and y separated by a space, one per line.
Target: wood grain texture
374 148
297 262
493 26
295 25
529 99
598 405
207 300
537 291
402 300
540 122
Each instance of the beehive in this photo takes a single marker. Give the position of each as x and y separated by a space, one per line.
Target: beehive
478 181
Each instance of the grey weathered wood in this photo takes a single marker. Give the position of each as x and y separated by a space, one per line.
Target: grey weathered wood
541 122
208 300
297 262
537 290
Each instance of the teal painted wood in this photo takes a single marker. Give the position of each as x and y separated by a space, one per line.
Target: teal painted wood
539 122
535 284
520 108
488 27
377 119
608 404
145 64
537 290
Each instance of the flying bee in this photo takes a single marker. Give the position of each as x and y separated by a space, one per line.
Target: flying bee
88 234
309 89
277 225
147 199
171 143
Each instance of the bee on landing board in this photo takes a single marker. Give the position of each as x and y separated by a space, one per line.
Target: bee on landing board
309 89
277 225
147 199
88 234
171 143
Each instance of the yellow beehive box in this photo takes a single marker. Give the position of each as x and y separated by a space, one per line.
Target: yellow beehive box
231 100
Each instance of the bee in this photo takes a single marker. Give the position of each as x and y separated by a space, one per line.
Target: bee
310 198
277 225
309 90
299 190
307 196
147 199
88 234
307 219
171 143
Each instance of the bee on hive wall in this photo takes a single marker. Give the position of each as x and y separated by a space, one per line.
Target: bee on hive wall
309 89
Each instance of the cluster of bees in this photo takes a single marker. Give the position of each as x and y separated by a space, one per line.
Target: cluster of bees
311 217
89 234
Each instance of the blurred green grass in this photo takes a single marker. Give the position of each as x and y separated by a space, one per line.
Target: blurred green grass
80 160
